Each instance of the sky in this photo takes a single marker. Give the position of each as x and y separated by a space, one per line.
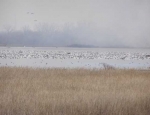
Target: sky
126 21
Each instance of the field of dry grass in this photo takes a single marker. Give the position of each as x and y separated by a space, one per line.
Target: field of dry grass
26 91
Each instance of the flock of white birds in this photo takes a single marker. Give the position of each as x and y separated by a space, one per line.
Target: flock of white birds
62 54
76 56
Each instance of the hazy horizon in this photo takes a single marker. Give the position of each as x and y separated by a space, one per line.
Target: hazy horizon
102 23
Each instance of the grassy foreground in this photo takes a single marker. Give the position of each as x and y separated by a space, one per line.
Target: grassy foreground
25 91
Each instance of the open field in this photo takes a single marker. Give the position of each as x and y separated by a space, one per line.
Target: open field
26 91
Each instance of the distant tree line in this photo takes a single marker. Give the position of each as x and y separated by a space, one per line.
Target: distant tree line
45 35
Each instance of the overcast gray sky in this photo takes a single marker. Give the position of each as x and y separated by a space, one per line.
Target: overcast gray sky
124 20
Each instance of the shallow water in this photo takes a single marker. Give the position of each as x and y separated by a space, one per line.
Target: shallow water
74 57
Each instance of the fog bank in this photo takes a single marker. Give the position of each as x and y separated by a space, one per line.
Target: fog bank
83 34
103 23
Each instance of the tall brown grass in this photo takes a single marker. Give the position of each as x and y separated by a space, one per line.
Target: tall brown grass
26 91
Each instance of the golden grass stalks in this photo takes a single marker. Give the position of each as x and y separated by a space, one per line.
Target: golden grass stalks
26 91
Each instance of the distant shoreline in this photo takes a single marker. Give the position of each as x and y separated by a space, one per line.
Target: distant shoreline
75 47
